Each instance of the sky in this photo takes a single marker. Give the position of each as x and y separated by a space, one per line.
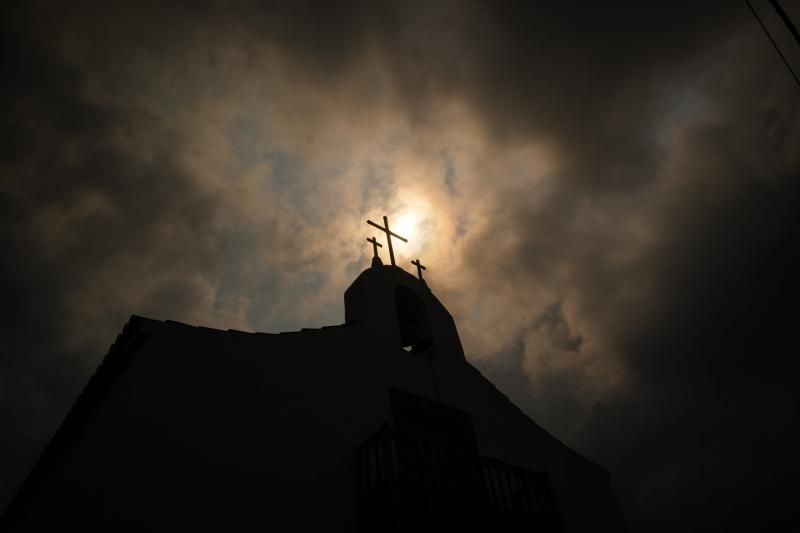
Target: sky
604 194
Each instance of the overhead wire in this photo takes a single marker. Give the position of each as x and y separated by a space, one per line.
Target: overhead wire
786 20
774 44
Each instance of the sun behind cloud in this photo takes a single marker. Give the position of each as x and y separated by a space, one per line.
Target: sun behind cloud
407 223
414 221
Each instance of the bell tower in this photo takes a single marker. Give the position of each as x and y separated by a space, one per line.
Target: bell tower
401 313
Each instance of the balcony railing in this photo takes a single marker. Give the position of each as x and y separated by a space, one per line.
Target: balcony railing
403 484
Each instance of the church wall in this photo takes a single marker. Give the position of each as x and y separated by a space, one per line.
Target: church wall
502 430
204 425
506 433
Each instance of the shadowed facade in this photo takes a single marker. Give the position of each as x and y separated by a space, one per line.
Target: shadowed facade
379 424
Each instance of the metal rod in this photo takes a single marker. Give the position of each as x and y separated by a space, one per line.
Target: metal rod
774 44
786 20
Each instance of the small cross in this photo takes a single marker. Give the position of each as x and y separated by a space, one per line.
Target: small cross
420 268
375 246
389 235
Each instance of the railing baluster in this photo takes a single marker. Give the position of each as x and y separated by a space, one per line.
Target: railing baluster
518 488
512 495
487 476
386 449
516 504
375 474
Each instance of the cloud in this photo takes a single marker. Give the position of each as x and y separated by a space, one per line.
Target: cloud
607 198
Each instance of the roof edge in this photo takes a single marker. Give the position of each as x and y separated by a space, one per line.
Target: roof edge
600 470
115 360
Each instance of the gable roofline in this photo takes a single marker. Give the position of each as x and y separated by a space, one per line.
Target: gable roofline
600 471
105 375
119 354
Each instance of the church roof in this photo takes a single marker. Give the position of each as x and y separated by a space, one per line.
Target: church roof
360 309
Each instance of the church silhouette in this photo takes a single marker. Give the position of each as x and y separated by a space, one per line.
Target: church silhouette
378 424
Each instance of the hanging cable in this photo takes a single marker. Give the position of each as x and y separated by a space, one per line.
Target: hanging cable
773 42
786 20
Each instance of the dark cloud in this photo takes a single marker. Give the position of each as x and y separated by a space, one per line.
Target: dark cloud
622 177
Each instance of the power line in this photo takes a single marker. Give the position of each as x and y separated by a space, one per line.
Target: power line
786 20
774 44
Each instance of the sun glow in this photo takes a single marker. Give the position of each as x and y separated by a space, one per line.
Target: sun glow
414 221
407 223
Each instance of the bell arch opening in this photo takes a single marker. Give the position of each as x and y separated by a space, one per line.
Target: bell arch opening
412 319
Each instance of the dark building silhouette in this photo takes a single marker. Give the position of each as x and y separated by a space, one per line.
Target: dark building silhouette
378 424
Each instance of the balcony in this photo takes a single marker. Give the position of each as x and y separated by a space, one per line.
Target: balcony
405 484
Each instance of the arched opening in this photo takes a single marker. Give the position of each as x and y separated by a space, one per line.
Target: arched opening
415 329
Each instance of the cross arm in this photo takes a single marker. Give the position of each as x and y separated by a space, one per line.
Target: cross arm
387 230
398 236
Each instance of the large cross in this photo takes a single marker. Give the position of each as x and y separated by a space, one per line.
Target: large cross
389 235
420 268
375 245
